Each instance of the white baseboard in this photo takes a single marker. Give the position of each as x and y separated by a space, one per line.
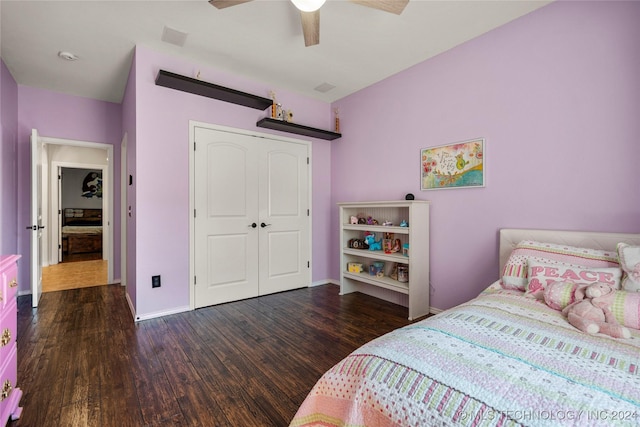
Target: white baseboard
434 310
156 314
325 282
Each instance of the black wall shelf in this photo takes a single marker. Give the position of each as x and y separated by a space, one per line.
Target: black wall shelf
284 126
210 90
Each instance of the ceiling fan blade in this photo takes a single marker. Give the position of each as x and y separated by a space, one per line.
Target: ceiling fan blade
392 6
221 4
311 27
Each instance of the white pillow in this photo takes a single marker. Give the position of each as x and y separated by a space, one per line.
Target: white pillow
629 257
514 274
539 275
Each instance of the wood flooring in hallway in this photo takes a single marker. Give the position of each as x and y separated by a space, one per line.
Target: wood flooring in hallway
72 275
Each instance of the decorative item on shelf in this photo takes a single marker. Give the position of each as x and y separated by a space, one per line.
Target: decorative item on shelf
355 267
387 245
288 116
377 269
394 247
394 272
274 105
371 221
404 223
362 220
374 245
337 112
409 196
405 249
388 235
358 244
403 273
387 224
353 220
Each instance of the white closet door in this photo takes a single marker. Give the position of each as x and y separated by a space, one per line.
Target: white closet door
241 181
226 203
284 203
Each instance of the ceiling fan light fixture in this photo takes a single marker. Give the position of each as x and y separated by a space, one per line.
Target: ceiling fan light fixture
308 5
67 56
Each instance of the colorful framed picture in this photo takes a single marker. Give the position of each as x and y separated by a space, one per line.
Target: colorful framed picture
458 165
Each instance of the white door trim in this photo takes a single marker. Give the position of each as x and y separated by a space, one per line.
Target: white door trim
192 126
108 190
124 202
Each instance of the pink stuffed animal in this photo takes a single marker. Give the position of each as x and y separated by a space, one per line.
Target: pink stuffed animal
558 295
592 314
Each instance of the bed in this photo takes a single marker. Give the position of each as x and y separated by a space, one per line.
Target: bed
81 231
501 359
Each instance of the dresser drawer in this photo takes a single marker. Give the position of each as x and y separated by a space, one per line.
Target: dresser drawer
8 285
8 390
8 329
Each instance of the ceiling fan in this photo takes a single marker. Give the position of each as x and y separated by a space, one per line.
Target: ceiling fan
310 13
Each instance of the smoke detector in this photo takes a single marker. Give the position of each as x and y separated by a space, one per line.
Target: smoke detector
67 56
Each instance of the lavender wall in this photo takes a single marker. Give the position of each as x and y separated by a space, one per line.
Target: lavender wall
8 163
555 93
57 115
162 198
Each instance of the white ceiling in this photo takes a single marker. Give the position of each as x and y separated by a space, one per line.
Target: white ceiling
261 40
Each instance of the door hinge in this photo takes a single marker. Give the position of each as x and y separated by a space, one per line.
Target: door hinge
195 282
194 213
59 176
59 246
194 146
307 212
307 160
59 211
308 264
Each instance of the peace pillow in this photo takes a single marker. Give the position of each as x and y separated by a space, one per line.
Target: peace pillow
514 273
630 263
539 275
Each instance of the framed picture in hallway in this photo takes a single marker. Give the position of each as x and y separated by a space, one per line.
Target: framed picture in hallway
457 165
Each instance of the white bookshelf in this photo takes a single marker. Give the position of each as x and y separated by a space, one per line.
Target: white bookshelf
413 294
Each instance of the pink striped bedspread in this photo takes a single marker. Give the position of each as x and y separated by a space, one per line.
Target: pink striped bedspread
499 360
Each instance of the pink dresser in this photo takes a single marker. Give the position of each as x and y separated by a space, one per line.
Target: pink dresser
9 394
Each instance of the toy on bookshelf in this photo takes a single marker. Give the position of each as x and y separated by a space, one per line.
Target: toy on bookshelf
370 239
354 267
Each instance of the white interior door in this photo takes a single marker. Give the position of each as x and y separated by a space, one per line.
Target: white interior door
251 226
284 216
59 209
36 217
226 218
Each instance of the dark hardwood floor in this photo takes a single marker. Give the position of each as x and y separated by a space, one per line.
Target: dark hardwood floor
84 362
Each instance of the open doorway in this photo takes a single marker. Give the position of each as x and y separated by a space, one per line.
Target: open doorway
80 196
77 200
80 250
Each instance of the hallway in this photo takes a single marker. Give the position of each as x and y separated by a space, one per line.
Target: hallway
73 275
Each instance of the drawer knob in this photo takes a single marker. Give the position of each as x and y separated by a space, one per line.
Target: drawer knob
13 283
6 390
5 338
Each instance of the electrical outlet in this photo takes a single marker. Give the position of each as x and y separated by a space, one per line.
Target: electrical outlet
155 281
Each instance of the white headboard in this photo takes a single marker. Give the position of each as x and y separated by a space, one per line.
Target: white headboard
510 237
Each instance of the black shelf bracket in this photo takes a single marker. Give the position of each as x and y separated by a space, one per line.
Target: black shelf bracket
284 126
210 90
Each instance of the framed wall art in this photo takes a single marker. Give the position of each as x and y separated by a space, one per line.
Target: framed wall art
457 165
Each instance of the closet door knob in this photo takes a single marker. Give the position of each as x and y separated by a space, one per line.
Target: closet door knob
254 225
263 225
